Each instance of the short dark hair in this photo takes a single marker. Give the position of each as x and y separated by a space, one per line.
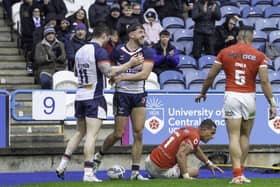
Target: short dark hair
99 29
164 32
208 124
134 27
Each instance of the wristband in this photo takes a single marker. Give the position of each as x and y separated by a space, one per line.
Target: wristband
209 163
186 175
272 102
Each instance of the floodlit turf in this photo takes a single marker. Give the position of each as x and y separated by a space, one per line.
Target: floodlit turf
256 182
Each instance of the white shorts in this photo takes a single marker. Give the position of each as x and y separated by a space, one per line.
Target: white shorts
156 172
239 105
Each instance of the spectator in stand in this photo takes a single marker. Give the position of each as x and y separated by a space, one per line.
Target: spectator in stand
36 22
165 8
226 33
80 38
49 58
204 14
7 4
187 8
137 12
113 42
125 21
97 12
152 27
51 20
80 16
113 17
166 55
43 5
123 3
56 6
63 32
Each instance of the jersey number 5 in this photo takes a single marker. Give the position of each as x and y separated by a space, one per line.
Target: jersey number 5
240 77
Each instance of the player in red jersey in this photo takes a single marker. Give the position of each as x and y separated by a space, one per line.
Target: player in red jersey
241 63
169 160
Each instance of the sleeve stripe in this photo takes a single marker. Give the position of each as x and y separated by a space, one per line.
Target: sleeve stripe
103 61
217 62
149 61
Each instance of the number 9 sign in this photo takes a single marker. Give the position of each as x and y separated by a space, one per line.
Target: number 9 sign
48 105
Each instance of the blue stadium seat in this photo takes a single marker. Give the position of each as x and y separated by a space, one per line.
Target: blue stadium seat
183 35
194 79
274 78
180 46
247 21
220 22
220 79
206 61
267 24
262 4
270 64
171 79
172 22
274 36
277 64
275 2
272 11
189 23
251 12
229 10
188 47
260 39
187 62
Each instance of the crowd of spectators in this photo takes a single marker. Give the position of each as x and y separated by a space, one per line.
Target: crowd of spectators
73 31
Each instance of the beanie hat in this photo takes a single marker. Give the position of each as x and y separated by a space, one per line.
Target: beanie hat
80 26
115 7
49 30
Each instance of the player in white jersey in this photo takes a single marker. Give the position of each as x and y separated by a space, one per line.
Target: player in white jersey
130 96
91 63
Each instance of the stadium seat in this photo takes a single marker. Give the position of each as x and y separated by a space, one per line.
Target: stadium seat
189 23
260 39
220 79
206 61
274 78
243 3
272 11
183 35
152 82
171 79
66 80
188 47
275 2
187 62
267 24
220 22
250 22
180 46
262 4
173 22
194 79
274 36
277 64
270 64
229 10
251 12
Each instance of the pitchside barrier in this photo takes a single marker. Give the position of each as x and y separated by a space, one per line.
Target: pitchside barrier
166 112
4 119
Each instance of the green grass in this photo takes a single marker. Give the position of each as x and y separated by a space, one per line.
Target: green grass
257 182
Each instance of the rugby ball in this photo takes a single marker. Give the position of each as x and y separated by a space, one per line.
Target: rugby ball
116 172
